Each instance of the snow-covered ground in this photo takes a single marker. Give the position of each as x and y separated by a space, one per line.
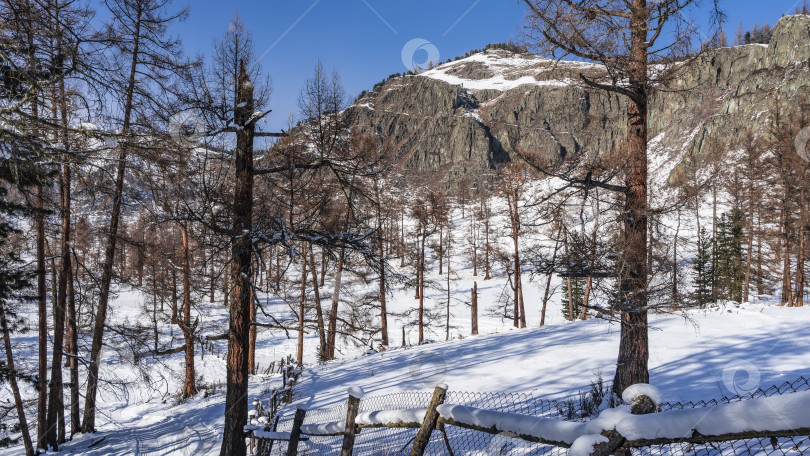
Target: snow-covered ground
701 354
719 351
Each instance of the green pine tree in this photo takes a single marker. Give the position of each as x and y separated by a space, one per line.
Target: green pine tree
578 292
702 270
730 256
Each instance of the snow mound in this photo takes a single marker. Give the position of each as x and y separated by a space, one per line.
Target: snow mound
583 446
334 427
544 428
776 413
356 392
414 415
631 393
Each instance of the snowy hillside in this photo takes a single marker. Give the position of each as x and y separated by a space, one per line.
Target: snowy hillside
720 351
707 354
696 354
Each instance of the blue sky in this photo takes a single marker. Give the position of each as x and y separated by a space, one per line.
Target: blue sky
364 39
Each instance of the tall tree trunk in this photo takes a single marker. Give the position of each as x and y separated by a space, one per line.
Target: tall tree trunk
175 300
302 306
335 300
799 294
548 280
42 302
236 396
675 297
586 299
474 309
631 365
514 219
701 252
421 287
12 379
381 248
474 237
65 295
787 294
760 284
714 243
227 269
73 352
190 385
318 309
402 240
752 204
336 296
42 291
487 246
252 330
440 248
212 286
749 255
324 266
89 423
568 279
447 314
56 405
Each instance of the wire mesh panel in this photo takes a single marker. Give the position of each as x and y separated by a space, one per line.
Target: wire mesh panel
444 441
759 447
797 445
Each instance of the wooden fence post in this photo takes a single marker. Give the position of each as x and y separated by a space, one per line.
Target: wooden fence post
422 439
295 434
474 308
641 405
268 446
355 394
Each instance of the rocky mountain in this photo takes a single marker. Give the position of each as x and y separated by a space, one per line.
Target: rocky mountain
462 116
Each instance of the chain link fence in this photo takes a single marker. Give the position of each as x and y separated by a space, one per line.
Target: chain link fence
797 445
456 441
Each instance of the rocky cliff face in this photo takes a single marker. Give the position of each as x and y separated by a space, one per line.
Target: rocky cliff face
471 114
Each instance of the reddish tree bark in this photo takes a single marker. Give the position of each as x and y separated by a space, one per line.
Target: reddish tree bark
236 396
188 329
631 366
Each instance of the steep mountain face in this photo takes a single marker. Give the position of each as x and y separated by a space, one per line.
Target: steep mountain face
473 113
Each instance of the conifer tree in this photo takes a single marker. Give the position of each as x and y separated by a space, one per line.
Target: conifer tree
577 294
703 272
730 256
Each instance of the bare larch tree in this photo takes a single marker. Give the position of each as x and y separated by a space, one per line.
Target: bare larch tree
625 36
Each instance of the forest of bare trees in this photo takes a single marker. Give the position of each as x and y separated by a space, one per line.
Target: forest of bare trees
104 186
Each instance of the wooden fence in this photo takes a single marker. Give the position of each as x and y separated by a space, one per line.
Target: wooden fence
563 434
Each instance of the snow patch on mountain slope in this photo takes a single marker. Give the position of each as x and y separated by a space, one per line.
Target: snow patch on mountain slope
505 71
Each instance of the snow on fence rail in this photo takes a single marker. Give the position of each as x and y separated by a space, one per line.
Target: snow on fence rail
768 421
